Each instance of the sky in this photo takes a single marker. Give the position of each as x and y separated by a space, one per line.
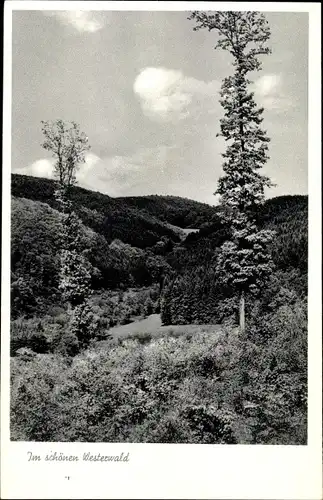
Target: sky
144 87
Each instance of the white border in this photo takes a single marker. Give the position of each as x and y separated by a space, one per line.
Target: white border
163 6
175 471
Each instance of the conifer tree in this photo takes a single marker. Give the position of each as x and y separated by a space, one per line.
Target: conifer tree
244 261
68 146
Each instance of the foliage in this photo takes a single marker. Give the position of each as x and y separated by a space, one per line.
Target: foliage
181 212
197 297
34 256
52 332
119 307
32 389
280 380
68 146
107 216
28 334
205 388
244 261
35 259
286 215
49 334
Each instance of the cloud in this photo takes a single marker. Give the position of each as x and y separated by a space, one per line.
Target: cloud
270 93
187 156
113 175
167 94
86 168
40 168
138 173
267 84
164 169
44 167
81 20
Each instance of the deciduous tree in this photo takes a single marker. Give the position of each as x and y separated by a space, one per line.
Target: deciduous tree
68 146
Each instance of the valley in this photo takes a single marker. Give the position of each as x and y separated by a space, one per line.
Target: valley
166 349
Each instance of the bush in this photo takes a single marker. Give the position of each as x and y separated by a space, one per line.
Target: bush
197 388
209 425
118 307
142 338
28 335
148 307
32 405
278 375
22 297
69 344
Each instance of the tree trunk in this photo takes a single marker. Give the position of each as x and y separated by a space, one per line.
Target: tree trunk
242 313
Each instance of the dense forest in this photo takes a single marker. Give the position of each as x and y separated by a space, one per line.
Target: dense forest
117 262
198 378
105 215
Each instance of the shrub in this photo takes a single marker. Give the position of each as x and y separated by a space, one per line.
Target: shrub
142 338
28 334
22 297
33 407
69 344
279 382
197 388
209 425
148 307
25 354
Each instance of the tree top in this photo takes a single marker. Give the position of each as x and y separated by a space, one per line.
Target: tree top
243 34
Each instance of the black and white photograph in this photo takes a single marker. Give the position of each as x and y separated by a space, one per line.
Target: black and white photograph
159 227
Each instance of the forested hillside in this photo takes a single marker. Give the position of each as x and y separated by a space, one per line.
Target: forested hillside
140 221
181 212
194 294
119 258
105 215
35 258
229 386
286 215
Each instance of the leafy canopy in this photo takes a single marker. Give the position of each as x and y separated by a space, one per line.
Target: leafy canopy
68 146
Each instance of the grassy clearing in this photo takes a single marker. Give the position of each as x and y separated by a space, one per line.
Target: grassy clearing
151 327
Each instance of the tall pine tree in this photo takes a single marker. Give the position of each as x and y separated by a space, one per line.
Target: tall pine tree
244 261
